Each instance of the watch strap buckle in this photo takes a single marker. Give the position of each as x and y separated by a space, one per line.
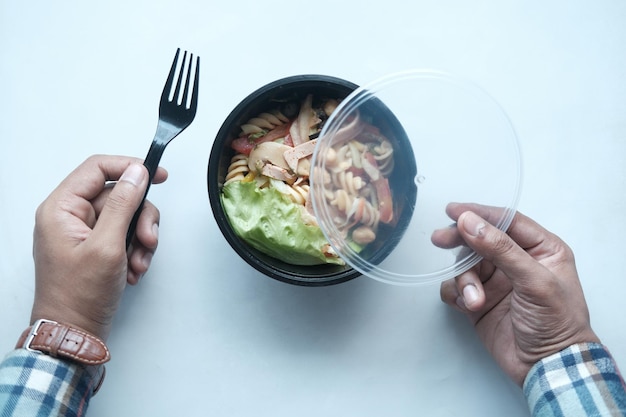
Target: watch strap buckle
33 332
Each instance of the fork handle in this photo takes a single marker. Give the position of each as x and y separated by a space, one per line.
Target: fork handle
151 163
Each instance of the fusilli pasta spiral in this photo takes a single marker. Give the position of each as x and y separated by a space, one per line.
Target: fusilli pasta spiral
238 168
264 122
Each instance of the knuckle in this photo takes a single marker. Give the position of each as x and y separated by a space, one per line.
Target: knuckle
562 254
501 243
566 252
40 213
93 159
47 214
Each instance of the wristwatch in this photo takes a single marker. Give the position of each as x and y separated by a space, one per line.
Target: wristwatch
62 341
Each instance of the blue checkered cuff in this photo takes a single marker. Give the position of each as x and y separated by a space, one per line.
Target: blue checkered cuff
582 380
34 384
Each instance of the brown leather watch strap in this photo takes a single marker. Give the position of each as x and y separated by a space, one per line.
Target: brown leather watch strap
63 341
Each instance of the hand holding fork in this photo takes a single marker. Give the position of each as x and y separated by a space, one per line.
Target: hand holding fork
175 114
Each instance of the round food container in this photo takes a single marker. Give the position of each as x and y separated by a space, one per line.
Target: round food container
241 224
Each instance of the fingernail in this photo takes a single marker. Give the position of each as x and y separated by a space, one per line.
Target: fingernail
470 295
133 174
473 224
155 231
147 259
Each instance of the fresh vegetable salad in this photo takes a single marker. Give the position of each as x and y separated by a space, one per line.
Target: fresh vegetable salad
266 190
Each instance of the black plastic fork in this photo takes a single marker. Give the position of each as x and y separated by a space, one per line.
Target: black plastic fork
175 115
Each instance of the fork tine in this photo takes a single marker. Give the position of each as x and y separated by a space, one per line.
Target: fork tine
180 79
196 81
186 88
165 96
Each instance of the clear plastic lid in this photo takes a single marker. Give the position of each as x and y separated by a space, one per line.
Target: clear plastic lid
392 158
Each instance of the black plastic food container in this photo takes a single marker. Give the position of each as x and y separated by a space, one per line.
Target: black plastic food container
292 89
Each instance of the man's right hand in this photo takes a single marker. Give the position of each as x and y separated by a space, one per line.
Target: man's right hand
524 298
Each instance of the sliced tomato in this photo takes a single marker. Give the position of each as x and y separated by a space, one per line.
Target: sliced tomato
243 145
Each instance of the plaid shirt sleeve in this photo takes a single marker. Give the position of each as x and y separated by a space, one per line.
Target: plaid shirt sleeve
33 384
582 380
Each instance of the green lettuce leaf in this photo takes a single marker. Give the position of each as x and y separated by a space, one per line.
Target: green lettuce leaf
270 222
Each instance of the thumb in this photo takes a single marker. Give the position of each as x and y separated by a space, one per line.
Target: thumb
121 204
498 247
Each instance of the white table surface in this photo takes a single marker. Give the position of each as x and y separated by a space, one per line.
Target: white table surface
204 333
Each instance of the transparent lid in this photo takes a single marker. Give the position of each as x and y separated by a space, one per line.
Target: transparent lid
392 158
